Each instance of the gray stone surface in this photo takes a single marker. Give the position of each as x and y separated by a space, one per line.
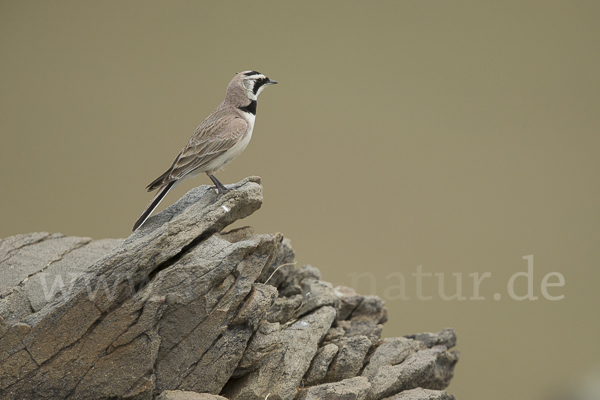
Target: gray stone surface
25 255
422 394
212 308
196 215
349 358
186 395
183 310
15 305
284 309
106 329
59 275
281 266
291 284
317 294
429 368
320 364
281 371
349 389
391 351
37 266
349 300
265 341
367 318
446 337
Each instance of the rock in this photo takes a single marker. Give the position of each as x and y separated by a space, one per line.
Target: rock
316 294
265 341
281 372
349 300
281 265
363 328
284 309
26 255
364 315
334 334
349 359
372 309
183 310
446 337
422 394
185 395
349 389
15 362
15 306
213 311
391 352
291 284
290 290
38 266
320 364
106 329
430 369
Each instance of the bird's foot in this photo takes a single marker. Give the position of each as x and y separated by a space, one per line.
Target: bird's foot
220 190
219 187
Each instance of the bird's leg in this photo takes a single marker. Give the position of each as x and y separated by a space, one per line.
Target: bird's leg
221 189
215 187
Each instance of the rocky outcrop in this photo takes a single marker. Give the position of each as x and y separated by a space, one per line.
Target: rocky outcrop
183 310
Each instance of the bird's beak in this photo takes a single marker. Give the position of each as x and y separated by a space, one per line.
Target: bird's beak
271 82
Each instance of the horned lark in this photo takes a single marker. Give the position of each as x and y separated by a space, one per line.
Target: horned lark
217 141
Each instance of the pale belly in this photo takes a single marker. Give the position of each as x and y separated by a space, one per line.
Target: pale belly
232 153
229 155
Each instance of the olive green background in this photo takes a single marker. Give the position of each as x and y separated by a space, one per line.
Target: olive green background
456 135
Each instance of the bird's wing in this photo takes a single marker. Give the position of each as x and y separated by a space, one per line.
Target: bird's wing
212 138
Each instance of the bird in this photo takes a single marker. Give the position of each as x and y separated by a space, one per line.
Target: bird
217 141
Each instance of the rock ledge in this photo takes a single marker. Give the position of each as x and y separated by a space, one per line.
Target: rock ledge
183 310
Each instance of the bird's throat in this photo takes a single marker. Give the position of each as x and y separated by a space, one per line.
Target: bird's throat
250 108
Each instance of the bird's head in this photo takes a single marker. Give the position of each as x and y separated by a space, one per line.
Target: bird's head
251 83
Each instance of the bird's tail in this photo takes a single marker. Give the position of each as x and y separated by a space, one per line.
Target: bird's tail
162 192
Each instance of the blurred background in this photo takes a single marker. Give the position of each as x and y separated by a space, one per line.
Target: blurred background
452 136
